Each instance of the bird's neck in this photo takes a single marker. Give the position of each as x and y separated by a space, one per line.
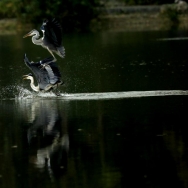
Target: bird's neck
35 38
35 88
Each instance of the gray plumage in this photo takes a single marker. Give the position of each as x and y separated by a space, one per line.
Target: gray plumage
47 74
52 37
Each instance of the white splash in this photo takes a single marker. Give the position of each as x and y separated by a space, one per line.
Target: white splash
13 91
121 95
25 94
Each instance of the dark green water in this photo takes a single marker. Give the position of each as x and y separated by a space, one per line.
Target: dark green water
121 142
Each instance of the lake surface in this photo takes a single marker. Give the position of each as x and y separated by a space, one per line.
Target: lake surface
120 121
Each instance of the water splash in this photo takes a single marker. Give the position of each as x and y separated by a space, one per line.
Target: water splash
121 95
106 95
24 93
19 92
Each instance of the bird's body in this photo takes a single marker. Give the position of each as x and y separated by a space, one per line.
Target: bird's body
47 75
52 37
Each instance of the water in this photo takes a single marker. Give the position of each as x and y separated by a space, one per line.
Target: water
120 120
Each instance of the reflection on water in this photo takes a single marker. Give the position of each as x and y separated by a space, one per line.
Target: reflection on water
77 140
177 146
46 135
46 131
105 143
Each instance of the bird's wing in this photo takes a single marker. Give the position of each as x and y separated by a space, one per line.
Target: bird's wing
40 73
52 32
53 73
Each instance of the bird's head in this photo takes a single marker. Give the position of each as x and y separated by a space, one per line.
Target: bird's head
31 33
28 76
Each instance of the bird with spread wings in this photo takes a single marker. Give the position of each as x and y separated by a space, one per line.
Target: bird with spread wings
52 37
48 76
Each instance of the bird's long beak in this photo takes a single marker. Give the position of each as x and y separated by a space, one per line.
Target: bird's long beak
27 35
25 77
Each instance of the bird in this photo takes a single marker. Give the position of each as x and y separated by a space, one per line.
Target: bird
52 37
48 76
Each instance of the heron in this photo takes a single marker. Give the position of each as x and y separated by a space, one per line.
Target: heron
48 77
52 37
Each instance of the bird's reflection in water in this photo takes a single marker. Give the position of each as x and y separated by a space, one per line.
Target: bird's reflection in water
48 135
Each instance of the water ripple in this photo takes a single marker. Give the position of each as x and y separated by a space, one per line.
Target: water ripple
105 95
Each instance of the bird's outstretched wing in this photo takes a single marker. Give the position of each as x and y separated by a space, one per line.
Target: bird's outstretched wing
40 73
53 73
52 32
45 73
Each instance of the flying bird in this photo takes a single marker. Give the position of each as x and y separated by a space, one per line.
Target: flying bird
47 74
52 37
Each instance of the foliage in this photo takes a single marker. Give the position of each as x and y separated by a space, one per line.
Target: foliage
171 13
9 8
147 2
74 14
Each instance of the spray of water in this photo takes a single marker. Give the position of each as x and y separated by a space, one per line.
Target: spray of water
106 95
19 92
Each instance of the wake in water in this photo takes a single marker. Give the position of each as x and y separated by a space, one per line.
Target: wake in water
173 39
105 95
121 95
21 93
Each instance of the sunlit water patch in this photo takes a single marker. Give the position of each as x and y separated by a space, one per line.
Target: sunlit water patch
174 38
103 95
18 92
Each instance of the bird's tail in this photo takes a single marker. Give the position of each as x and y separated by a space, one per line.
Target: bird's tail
61 52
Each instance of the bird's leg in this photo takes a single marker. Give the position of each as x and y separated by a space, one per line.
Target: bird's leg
57 92
47 64
54 60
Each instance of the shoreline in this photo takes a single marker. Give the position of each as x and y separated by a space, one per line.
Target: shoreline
141 18
122 18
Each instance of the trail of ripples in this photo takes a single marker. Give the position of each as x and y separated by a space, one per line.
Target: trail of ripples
22 93
105 95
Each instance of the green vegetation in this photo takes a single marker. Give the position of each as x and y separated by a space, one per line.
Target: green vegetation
147 2
73 14
9 8
171 15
